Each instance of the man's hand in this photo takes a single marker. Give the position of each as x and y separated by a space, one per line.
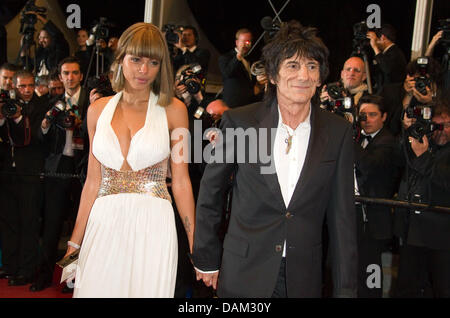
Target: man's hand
407 122
424 99
419 148
324 95
409 84
372 36
208 279
40 17
93 96
45 122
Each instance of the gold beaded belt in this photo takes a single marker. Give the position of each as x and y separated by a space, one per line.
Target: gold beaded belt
151 181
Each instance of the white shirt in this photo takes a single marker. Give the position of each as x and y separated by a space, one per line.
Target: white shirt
68 146
289 165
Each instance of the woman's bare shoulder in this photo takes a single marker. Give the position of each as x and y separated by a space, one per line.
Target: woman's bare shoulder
96 108
176 113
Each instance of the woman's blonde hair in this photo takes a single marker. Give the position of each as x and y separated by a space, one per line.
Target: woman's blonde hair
145 40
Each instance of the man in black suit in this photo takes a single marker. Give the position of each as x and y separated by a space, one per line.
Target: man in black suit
377 177
22 195
424 268
238 84
65 149
302 177
389 58
189 53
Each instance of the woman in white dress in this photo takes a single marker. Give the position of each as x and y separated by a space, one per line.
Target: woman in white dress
125 223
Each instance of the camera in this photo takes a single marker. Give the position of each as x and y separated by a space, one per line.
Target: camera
422 81
360 40
192 78
423 125
171 32
10 104
61 116
27 21
445 26
101 84
339 101
99 31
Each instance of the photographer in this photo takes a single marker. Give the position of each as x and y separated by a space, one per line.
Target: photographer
188 52
22 197
52 47
60 132
418 87
376 176
7 71
238 83
389 58
351 84
425 235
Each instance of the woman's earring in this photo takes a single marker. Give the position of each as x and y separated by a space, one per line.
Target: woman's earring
118 73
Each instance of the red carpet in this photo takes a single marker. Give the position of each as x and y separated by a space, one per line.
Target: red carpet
53 291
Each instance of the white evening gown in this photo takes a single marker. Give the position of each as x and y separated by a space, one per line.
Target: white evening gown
130 244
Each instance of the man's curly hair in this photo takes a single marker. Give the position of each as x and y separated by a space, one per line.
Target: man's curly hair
291 40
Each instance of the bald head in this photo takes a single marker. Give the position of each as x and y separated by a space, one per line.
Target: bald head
353 73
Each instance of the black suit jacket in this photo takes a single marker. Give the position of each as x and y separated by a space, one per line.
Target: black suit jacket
391 66
377 175
237 85
200 56
393 95
250 256
28 159
55 139
429 177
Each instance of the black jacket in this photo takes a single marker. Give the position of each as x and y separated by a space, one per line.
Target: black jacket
55 139
250 256
391 66
200 56
377 173
429 177
27 158
237 84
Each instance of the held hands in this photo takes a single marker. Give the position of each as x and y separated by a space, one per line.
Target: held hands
209 279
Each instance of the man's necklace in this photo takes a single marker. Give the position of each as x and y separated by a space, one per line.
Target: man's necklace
288 140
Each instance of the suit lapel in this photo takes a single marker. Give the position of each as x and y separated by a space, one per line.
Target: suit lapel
269 120
317 144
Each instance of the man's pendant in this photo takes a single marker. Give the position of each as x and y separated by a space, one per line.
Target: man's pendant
288 142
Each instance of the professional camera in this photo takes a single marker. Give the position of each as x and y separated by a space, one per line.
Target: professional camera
101 84
422 81
99 31
10 104
445 26
171 32
192 78
27 21
423 125
360 40
61 116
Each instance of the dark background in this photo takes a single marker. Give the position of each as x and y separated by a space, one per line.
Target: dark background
220 19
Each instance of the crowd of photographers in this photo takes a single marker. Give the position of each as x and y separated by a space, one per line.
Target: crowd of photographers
400 113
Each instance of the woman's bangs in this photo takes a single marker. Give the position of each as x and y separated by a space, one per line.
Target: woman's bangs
146 43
